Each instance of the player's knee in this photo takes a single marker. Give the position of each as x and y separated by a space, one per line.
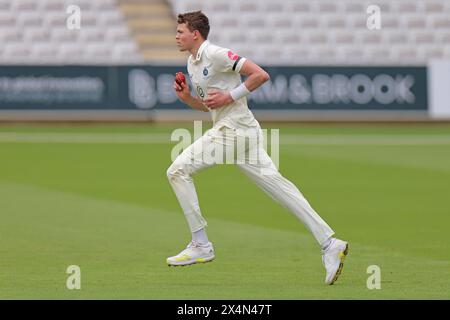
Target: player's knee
171 172
175 171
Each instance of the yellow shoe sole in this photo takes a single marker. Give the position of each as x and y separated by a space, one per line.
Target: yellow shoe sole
342 256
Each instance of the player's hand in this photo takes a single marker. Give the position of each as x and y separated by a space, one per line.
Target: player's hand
217 99
182 91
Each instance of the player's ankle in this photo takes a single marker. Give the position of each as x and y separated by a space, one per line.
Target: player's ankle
326 244
200 237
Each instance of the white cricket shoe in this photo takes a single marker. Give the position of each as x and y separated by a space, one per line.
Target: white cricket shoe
194 253
333 259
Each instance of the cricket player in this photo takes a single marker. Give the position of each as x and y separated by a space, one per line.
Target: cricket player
215 74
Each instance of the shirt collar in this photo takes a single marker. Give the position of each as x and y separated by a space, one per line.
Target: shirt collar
200 51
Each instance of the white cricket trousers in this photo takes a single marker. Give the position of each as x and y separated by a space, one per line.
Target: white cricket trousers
254 161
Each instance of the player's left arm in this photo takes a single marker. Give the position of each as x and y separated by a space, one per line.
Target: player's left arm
256 76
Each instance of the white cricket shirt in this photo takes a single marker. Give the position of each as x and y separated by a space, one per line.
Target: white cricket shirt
215 67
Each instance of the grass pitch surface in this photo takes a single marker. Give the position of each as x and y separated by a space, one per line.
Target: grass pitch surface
98 197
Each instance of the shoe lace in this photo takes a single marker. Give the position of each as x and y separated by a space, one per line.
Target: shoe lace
193 244
190 245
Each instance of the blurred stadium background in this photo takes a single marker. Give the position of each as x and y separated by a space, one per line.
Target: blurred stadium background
325 63
363 118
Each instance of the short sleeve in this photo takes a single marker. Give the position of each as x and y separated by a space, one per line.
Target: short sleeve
226 60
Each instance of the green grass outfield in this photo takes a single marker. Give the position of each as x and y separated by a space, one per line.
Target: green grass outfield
98 197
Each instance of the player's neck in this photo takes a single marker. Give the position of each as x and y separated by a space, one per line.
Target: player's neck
195 49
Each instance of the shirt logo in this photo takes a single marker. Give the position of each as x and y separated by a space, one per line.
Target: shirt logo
232 55
205 72
200 92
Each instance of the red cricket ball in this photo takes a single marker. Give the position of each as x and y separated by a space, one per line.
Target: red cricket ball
180 78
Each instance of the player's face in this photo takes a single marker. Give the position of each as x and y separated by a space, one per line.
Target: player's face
185 38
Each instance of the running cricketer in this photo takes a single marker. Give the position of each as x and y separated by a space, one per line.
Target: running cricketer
215 73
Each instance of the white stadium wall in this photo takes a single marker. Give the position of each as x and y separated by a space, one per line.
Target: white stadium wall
439 89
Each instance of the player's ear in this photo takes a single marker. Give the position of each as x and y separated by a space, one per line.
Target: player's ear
196 34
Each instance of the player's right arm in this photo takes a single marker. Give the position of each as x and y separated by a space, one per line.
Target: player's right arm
185 95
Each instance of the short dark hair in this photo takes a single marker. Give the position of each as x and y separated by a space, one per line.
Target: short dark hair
195 20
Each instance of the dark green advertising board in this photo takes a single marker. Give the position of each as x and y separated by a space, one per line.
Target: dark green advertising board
150 87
